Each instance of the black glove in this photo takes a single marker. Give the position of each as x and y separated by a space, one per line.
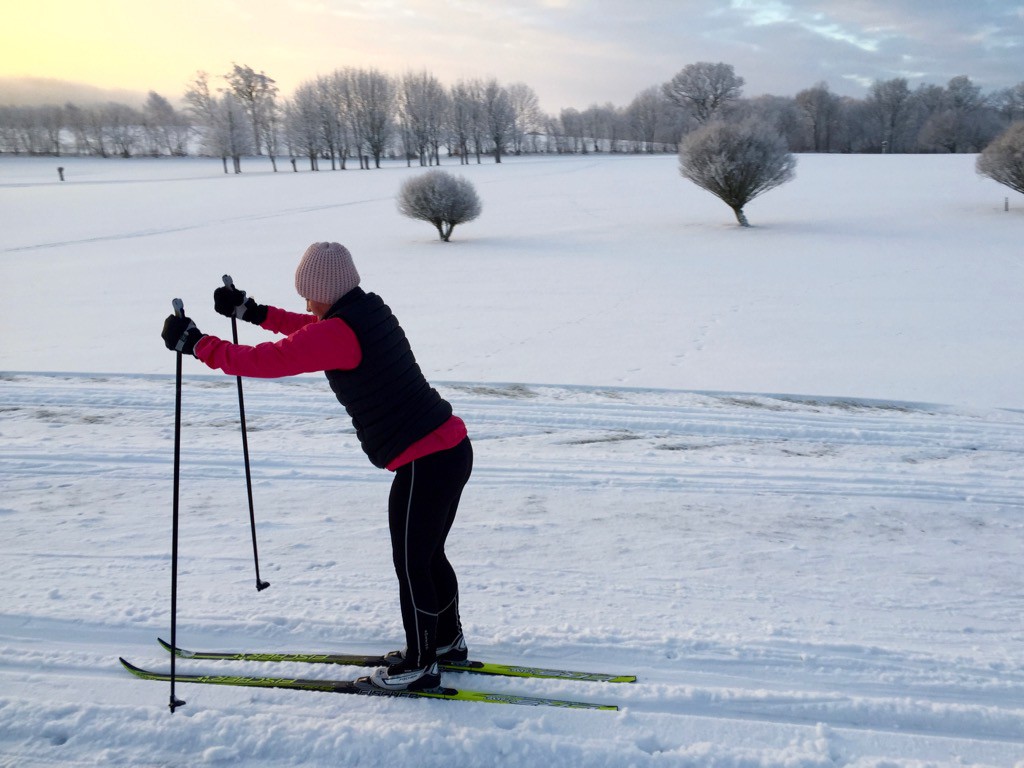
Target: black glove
180 334
231 302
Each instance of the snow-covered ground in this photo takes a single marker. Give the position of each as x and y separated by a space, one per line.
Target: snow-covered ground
827 576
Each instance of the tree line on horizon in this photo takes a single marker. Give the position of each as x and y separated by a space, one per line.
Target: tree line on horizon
363 115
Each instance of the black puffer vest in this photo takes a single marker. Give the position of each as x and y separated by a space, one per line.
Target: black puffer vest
390 402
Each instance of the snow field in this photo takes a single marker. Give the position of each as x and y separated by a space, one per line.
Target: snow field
824 577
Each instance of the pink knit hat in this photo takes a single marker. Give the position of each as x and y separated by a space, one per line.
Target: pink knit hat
325 273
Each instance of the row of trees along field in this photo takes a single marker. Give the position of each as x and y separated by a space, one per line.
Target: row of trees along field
356 115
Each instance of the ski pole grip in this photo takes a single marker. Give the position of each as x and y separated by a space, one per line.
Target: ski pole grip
228 281
179 307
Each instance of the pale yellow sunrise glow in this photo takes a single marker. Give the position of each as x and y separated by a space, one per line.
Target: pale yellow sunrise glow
572 52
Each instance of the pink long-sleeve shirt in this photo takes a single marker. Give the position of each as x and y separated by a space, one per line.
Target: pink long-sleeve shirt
309 345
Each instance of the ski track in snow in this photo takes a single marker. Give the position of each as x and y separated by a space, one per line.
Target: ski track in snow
796 581
211 223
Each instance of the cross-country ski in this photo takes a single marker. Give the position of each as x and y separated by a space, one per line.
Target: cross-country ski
356 660
362 687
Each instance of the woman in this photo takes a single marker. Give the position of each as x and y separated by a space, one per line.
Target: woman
402 423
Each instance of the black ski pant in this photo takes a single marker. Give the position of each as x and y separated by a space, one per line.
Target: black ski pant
421 509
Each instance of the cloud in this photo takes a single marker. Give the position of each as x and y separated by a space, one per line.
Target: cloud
573 53
858 41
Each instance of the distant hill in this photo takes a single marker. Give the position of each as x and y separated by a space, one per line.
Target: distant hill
36 91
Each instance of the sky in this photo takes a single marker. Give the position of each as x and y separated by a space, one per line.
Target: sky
573 53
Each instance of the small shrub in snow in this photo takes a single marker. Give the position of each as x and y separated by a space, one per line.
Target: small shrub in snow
736 162
1003 159
441 199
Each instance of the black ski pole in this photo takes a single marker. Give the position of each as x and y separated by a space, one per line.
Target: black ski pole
179 310
260 584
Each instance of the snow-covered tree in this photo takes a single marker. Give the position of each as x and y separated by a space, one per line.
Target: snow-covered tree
166 129
1009 103
33 130
424 105
257 93
373 96
346 92
822 110
327 97
499 116
468 119
704 89
1003 159
574 130
440 198
964 121
642 116
123 126
736 162
302 124
891 105
526 114
223 120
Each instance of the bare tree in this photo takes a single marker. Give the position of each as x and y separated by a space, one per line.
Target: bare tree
88 128
1009 103
257 93
123 126
821 109
424 107
51 123
99 136
373 96
347 94
573 130
74 117
525 114
643 115
232 134
223 122
891 103
8 129
33 130
462 116
779 112
327 116
166 128
601 124
22 137
614 131
340 94
203 105
964 121
440 198
272 119
499 116
736 162
593 126
704 89
478 121
303 125
1003 159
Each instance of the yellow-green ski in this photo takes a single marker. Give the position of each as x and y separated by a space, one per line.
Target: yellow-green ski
362 687
476 667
